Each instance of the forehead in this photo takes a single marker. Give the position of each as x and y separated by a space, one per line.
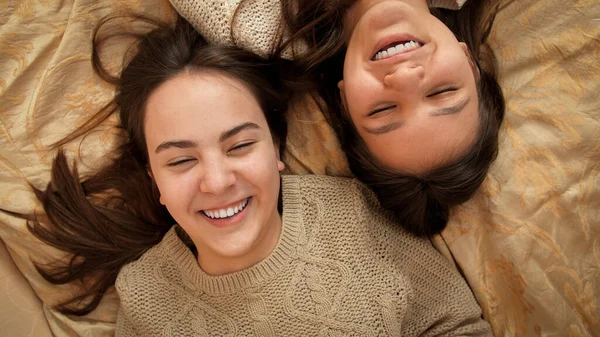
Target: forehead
426 143
198 105
360 8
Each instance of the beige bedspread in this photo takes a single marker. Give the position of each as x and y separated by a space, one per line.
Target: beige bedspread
528 244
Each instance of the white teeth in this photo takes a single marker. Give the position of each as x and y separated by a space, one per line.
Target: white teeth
226 212
399 48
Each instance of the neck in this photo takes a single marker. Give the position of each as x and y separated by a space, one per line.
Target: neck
217 265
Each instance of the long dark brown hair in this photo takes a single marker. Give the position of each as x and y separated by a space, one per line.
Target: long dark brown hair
421 203
113 216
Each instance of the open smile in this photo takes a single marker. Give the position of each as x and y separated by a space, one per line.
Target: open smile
394 48
228 212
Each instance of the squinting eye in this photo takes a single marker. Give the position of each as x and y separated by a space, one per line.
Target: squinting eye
378 110
179 162
241 146
448 89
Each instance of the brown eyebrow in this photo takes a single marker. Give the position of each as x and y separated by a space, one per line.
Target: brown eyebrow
186 144
456 108
180 144
238 129
384 129
449 110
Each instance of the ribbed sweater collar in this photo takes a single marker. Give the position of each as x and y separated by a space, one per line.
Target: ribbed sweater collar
292 227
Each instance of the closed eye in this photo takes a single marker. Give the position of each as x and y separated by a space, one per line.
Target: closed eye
241 146
378 110
448 89
180 162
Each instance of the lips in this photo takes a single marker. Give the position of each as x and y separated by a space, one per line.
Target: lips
399 43
227 212
396 48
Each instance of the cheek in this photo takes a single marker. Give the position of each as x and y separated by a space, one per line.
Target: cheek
470 122
176 190
360 86
362 91
262 172
458 66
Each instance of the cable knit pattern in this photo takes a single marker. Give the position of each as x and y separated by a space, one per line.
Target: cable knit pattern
257 22
340 268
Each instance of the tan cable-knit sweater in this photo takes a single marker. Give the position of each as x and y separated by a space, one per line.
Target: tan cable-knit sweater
256 25
340 268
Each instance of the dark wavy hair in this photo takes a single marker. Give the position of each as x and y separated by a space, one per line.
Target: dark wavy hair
421 202
113 216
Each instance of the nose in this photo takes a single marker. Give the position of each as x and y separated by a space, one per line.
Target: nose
217 176
405 78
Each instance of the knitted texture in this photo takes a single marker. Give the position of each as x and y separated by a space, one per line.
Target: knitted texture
340 268
256 25
449 4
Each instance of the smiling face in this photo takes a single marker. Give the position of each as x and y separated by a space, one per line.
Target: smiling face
408 85
216 166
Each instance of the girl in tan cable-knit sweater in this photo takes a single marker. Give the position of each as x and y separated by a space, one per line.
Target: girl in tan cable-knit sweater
339 267
253 253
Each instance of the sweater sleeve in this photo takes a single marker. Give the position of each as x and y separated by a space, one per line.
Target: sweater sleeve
124 326
443 304
439 301
257 23
253 25
473 326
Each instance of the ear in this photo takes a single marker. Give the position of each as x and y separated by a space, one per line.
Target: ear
280 164
343 97
154 186
472 62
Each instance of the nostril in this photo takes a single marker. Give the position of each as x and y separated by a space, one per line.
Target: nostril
404 77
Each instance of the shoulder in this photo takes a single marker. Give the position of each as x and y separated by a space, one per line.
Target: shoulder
319 182
353 200
135 274
158 279
322 185
253 25
331 191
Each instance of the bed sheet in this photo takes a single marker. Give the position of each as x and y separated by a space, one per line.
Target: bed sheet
528 243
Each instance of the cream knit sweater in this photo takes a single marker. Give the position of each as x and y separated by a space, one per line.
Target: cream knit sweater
256 26
340 268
